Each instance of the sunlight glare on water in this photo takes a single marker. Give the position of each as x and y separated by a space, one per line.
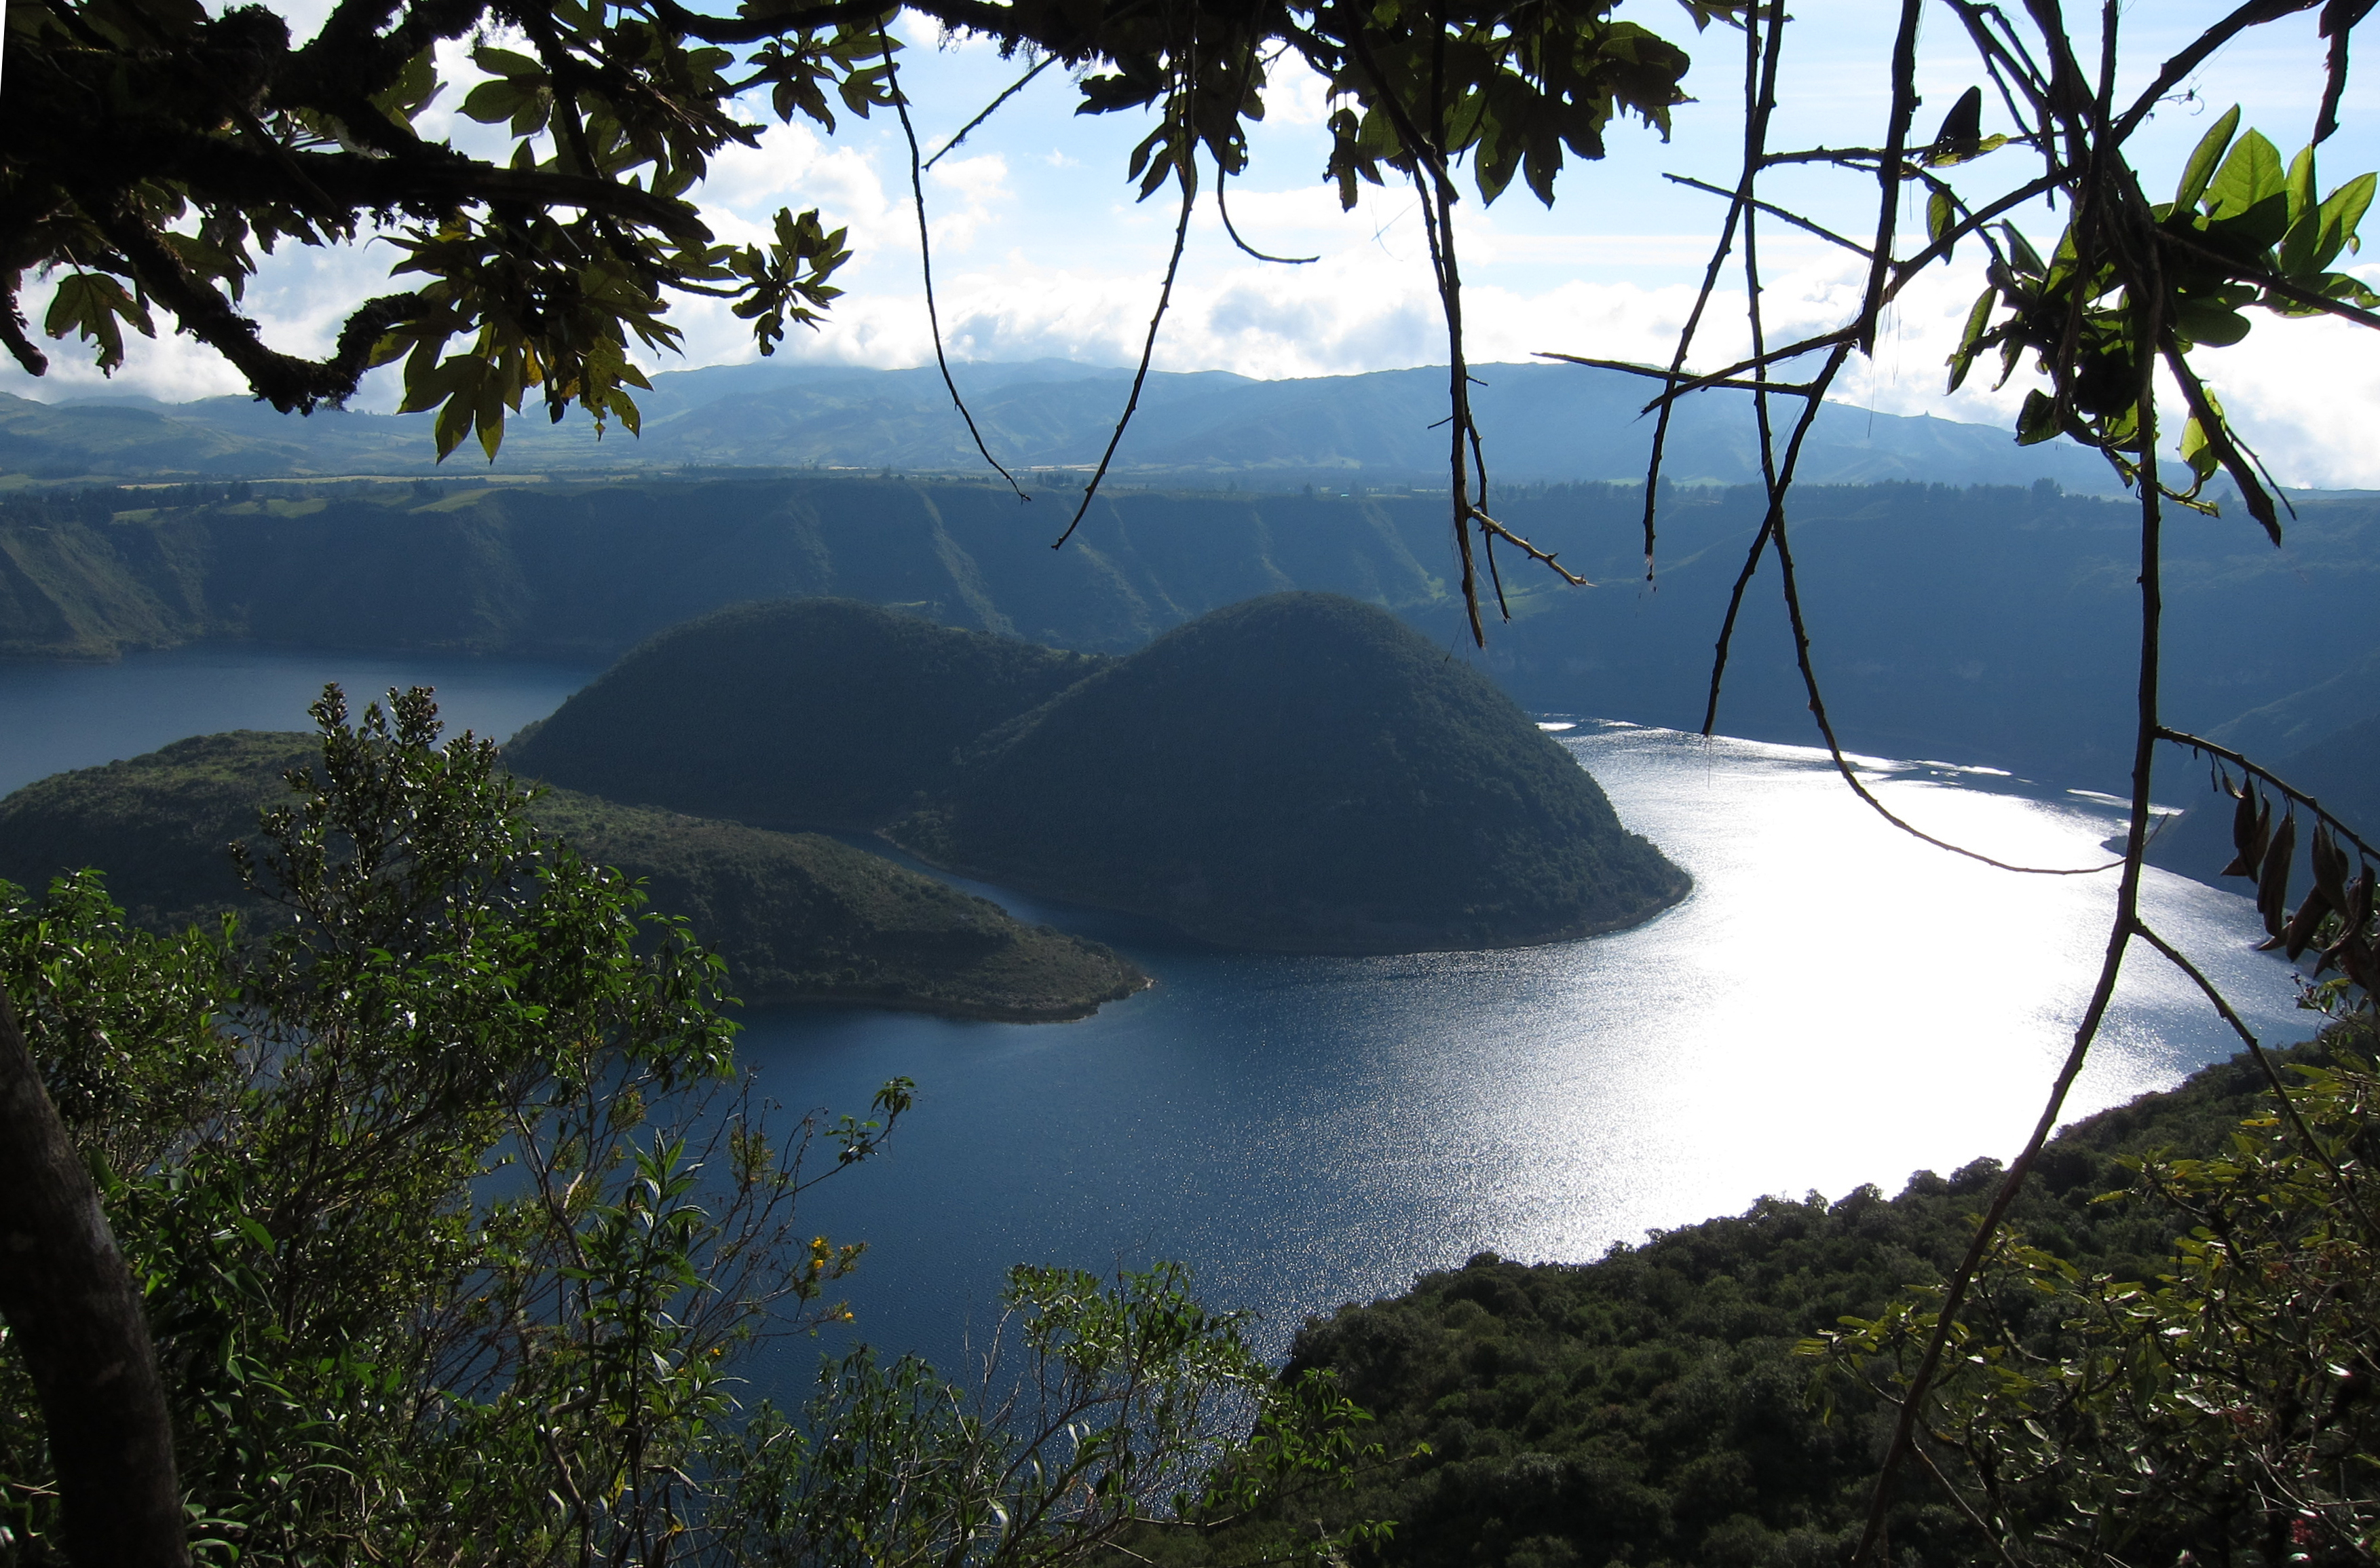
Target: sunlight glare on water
1836 1004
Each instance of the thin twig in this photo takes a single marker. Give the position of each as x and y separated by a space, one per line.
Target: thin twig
1887 174
1791 389
1755 131
1826 726
992 108
1495 529
2150 289
2208 748
926 266
1189 182
1999 1545
1854 245
1772 357
2288 1108
1225 213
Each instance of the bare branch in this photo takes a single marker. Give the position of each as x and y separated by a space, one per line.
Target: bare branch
926 264
1775 212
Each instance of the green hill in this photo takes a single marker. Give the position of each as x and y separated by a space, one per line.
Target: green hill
796 917
1301 773
815 713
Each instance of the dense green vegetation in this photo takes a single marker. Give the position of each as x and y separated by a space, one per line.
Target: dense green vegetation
822 712
1301 773
449 1216
794 915
1657 1406
1983 626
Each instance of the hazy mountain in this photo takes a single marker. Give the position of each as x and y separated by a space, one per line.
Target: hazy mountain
1992 625
1541 422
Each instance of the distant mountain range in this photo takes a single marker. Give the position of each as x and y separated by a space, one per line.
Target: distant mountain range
1049 420
1987 624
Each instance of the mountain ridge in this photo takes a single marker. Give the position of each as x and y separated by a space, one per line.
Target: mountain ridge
1048 420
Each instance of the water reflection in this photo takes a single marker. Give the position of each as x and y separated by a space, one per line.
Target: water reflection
1836 1004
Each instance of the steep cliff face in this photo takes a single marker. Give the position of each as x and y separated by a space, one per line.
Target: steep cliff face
1304 773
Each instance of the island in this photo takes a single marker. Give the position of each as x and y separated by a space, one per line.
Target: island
797 916
1301 773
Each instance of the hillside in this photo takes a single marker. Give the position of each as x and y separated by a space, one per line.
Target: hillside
1052 419
1301 773
1992 625
1649 1408
796 917
817 713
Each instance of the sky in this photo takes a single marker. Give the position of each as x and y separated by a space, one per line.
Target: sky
1041 250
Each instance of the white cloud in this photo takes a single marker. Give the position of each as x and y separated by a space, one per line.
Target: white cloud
1041 251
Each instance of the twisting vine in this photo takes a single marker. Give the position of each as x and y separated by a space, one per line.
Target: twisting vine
926 244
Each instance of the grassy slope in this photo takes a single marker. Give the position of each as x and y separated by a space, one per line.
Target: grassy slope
1302 773
1648 1409
795 916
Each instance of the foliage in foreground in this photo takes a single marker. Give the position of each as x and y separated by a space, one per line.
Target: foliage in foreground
2218 1410
450 1216
796 917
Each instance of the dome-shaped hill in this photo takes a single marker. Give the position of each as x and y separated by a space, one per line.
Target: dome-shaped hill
1301 773
797 916
817 713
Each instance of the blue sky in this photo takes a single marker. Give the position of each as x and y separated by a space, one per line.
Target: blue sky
1041 250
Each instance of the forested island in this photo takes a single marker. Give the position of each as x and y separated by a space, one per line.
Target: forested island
797 916
1301 773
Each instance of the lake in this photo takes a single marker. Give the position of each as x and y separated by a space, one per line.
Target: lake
1836 1004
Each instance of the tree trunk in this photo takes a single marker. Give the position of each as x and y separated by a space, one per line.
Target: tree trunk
75 1315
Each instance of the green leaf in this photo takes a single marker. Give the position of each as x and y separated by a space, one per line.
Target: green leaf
492 102
504 62
1970 339
2022 255
2250 192
2341 211
2210 323
2199 452
90 304
2037 421
2201 167
2301 184
1940 215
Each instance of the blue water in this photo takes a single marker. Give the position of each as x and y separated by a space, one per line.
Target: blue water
1835 1004
53 717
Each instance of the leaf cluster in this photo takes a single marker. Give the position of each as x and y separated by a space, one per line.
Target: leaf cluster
2239 231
